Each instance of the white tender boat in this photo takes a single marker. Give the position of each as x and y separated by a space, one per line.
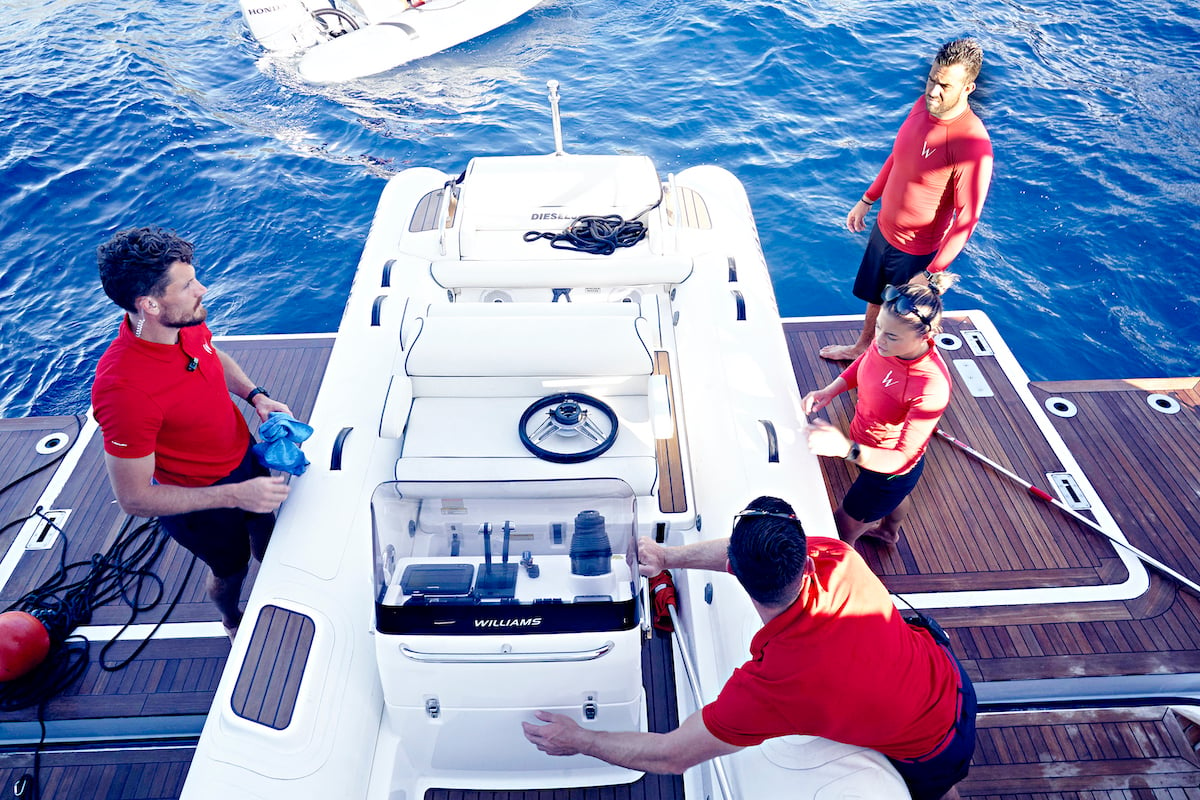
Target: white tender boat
339 40
500 419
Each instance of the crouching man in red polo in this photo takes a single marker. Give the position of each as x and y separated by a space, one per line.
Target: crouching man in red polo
834 658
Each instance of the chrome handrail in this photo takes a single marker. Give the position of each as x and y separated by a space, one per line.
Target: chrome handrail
506 656
689 669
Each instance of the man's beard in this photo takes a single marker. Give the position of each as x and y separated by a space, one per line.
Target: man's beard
197 318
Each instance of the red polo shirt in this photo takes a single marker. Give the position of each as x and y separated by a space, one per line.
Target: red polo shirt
840 663
147 401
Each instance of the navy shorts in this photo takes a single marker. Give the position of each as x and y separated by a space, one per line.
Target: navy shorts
874 495
883 265
221 537
930 777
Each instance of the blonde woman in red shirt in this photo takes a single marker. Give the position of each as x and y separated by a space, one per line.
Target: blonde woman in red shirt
903 388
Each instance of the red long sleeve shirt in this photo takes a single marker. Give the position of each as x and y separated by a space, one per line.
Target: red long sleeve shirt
934 183
899 405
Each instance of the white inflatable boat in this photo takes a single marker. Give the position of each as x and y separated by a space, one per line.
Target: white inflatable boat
499 421
339 40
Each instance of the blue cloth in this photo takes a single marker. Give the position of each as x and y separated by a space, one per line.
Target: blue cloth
279 449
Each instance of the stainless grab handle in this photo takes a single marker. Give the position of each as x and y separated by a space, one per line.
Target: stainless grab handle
506 656
444 216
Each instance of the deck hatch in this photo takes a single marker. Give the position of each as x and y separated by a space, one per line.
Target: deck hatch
973 378
269 681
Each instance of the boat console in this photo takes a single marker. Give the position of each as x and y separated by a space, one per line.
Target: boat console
495 599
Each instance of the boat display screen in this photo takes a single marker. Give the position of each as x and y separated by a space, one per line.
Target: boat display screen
511 557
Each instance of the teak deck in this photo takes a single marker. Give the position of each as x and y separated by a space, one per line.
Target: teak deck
1050 675
164 695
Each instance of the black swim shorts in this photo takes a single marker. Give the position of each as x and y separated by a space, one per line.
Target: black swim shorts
221 537
883 265
874 495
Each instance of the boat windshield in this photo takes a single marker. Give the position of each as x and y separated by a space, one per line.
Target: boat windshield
511 557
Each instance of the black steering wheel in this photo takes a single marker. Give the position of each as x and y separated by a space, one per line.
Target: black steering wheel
568 418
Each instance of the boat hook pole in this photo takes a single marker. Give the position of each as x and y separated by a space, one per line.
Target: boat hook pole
1145 557
689 669
555 117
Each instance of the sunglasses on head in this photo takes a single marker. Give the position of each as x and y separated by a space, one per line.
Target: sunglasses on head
903 304
754 512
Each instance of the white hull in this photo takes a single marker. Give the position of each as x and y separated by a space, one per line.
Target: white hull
427 371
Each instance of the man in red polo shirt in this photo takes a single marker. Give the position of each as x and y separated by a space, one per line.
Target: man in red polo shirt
834 658
931 188
175 445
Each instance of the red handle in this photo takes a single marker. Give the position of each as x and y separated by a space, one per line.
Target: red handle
1036 492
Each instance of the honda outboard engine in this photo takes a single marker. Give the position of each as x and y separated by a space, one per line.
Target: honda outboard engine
281 25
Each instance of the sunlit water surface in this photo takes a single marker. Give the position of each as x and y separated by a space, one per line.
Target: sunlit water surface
116 114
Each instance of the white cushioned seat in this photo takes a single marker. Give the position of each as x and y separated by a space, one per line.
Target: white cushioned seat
594 271
474 368
530 339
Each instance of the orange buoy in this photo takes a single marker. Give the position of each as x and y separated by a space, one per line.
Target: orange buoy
24 643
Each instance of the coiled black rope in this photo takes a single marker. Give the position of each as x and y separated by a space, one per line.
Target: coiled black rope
598 235
67 600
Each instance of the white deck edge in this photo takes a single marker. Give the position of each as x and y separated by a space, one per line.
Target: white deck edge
258 337
58 481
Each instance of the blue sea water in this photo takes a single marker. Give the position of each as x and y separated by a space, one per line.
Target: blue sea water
133 112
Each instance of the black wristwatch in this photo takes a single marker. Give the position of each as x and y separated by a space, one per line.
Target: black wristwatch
255 392
854 452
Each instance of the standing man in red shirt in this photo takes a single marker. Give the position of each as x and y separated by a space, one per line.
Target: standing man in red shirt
175 445
931 188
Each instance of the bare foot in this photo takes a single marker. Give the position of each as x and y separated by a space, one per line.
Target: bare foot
841 352
886 534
